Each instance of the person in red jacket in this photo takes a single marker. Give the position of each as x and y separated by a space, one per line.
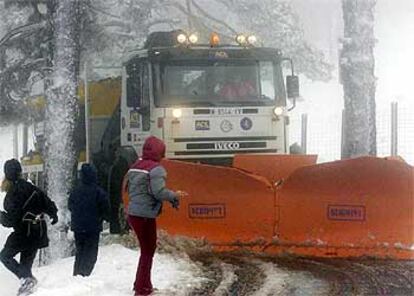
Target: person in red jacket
147 192
238 88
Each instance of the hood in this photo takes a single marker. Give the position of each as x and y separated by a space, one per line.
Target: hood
12 169
88 174
152 153
154 149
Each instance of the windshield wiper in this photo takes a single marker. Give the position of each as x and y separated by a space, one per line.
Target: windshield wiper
264 97
242 103
194 104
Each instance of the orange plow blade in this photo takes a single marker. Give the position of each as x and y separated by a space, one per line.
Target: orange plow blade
273 167
226 206
350 208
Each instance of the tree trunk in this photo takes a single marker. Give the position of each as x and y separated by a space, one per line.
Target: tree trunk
358 79
61 112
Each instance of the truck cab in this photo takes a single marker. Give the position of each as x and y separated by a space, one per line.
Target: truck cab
207 102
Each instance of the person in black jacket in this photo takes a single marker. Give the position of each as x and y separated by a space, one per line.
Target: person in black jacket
89 206
25 207
117 173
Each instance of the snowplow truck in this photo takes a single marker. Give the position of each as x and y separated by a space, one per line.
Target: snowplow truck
223 112
219 104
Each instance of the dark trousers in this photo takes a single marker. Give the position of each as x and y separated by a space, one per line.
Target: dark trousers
22 269
86 252
146 231
114 226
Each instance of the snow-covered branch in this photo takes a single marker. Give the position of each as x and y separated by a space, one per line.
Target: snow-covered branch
210 17
20 30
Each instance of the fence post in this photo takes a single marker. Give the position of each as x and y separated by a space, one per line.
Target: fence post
15 141
394 128
343 134
87 102
304 133
25 139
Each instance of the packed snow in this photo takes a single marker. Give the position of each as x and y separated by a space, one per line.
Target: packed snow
113 275
284 282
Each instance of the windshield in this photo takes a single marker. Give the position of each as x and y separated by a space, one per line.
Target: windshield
215 83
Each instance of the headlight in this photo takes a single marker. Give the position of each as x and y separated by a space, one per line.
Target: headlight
278 111
214 39
193 38
182 38
252 39
177 113
241 39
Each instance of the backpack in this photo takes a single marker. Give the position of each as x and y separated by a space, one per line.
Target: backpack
33 219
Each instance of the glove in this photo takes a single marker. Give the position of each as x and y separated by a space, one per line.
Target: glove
4 219
175 203
54 220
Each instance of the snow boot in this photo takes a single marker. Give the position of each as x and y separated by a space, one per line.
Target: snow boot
27 286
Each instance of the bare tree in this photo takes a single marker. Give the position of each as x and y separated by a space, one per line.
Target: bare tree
277 25
274 21
357 74
61 112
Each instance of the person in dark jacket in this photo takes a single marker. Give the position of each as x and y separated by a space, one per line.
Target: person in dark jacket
117 172
147 191
25 207
89 206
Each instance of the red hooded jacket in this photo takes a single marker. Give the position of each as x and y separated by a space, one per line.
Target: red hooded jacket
152 153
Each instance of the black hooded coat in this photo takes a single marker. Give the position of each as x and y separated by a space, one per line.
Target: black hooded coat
88 203
25 206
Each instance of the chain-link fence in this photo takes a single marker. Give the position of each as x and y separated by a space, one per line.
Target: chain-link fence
405 146
324 132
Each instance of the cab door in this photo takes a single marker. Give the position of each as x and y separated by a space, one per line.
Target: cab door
136 107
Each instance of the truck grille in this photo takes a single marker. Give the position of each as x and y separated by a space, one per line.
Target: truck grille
242 145
226 139
221 152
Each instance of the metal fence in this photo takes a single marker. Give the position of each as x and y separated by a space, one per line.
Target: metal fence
405 146
323 132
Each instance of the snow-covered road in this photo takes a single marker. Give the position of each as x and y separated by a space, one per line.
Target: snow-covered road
114 275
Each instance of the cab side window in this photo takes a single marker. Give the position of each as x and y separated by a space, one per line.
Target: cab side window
134 85
145 102
138 92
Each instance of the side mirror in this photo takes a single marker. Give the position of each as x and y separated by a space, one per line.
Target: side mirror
292 86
